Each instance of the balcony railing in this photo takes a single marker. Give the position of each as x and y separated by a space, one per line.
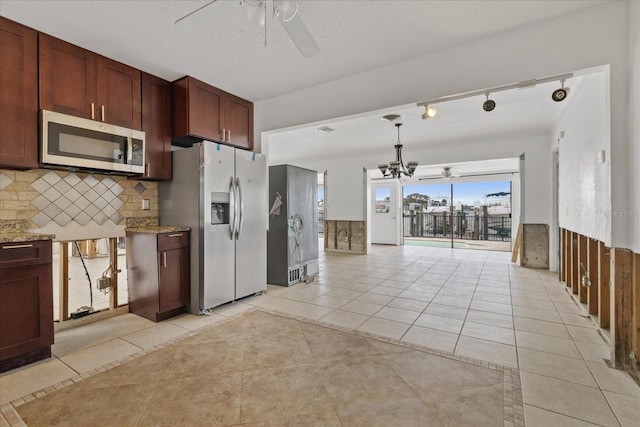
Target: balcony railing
464 225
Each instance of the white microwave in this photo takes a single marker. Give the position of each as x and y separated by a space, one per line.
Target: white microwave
73 142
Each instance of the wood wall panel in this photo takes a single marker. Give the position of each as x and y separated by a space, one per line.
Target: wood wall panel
621 307
575 264
635 365
592 267
604 272
582 267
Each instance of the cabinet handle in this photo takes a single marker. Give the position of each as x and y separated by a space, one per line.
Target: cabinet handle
229 136
164 259
175 235
93 111
17 246
103 113
224 132
146 169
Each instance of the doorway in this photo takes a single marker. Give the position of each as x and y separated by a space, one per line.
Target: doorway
468 215
385 213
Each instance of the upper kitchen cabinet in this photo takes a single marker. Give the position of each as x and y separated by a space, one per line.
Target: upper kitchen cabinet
201 111
239 122
156 124
81 83
18 96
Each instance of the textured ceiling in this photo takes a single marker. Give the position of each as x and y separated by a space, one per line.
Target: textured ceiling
222 47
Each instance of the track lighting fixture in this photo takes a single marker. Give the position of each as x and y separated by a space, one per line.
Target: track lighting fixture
429 112
560 94
489 104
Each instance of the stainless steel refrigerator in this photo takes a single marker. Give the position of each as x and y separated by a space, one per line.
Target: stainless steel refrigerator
221 193
292 241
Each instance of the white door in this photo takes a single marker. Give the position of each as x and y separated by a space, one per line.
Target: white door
385 213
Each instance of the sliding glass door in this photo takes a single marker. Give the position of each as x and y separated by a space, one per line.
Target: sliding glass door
471 215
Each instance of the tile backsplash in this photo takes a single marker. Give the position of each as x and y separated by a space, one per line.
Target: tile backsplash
74 204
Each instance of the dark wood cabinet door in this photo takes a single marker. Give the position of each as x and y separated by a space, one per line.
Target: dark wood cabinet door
18 96
26 310
118 89
238 115
196 111
156 123
173 278
201 111
26 303
67 78
204 111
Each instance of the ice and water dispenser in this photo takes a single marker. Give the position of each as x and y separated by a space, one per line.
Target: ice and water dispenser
219 208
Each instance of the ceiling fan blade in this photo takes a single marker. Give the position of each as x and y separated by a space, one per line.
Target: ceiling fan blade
300 36
195 11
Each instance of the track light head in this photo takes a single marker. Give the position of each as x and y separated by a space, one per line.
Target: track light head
429 112
559 95
489 104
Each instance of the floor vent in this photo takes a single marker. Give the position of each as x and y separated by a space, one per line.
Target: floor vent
294 276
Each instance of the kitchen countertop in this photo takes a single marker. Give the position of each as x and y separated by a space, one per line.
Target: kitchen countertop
157 229
24 236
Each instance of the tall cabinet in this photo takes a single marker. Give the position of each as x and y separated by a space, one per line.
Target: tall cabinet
156 124
18 96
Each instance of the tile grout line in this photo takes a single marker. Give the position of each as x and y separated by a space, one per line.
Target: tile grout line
10 407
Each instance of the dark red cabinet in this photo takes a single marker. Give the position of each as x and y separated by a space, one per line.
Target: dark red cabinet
156 124
18 96
81 83
158 274
201 111
26 303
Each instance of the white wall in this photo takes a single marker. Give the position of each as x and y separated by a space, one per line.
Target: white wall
548 48
344 194
634 125
584 183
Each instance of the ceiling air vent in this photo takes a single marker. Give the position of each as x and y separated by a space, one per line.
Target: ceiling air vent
325 129
391 117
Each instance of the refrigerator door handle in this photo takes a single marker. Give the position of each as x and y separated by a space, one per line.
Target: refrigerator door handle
232 208
240 209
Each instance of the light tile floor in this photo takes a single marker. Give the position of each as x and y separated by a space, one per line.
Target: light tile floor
470 303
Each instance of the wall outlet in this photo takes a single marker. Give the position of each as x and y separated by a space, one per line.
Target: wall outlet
601 156
146 204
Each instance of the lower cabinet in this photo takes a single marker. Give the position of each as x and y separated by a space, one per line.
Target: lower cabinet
26 303
158 273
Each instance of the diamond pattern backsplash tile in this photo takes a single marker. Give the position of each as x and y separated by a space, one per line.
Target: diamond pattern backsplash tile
139 188
5 181
72 198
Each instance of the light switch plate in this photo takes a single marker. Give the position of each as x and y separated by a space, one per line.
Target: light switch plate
146 204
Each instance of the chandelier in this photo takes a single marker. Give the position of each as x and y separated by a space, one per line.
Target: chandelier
397 169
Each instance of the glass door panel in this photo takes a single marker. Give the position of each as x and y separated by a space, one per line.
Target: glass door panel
482 214
470 215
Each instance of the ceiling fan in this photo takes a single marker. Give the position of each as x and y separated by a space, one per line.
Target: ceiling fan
285 12
447 173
